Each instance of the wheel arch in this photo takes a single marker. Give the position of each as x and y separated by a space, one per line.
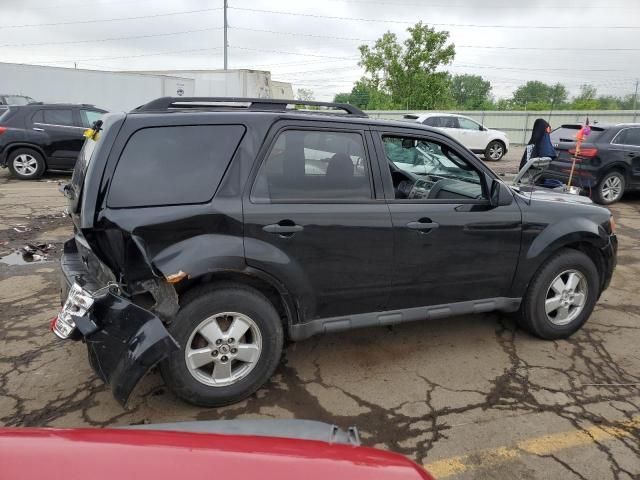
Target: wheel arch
17 145
576 233
260 281
620 167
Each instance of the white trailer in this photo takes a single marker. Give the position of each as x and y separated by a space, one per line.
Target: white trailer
114 91
232 83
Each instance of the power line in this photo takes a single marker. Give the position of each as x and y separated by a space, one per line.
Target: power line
489 47
453 5
360 19
110 39
170 52
291 53
119 19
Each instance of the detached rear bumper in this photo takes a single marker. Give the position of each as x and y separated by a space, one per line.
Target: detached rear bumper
124 341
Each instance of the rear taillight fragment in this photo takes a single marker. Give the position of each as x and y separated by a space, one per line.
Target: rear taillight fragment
585 152
2 130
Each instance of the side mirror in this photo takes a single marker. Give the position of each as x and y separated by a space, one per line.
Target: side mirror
500 194
483 128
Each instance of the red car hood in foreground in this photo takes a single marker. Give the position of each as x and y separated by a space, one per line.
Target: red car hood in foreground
69 454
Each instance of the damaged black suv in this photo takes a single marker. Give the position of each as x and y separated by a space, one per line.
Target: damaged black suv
208 231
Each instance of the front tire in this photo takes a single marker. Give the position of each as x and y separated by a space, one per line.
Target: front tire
230 340
610 188
495 150
26 164
561 296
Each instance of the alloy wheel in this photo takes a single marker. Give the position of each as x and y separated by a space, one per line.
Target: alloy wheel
611 188
223 349
496 151
566 297
25 164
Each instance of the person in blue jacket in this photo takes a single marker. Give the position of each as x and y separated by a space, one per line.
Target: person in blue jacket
539 144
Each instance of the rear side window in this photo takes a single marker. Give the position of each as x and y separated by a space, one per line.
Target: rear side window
58 117
173 165
432 122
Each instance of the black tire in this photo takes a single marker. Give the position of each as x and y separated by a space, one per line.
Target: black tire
202 303
603 194
532 314
495 151
19 155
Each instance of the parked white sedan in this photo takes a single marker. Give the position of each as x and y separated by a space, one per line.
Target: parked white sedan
493 144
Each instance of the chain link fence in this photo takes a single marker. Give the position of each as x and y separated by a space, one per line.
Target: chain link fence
517 125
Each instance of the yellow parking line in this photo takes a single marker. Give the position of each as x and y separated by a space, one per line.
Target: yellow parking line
544 445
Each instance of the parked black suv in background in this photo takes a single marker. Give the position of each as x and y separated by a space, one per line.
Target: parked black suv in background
609 160
209 230
38 137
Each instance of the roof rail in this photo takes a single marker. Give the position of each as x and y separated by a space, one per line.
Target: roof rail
259 104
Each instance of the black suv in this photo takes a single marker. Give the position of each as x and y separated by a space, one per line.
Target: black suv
208 231
38 137
608 163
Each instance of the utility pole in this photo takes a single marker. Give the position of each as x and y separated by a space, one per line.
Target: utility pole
635 102
225 34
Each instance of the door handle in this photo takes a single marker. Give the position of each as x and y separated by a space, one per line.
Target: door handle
38 129
422 224
282 228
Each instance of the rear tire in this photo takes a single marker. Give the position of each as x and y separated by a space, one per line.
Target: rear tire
228 376
543 308
495 150
610 189
26 164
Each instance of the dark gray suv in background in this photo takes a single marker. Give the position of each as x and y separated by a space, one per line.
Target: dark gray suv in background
609 160
208 231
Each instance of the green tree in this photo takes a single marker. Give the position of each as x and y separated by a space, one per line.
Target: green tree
586 99
471 92
536 95
342 98
405 73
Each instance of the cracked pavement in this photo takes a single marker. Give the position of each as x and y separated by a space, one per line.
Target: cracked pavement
471 397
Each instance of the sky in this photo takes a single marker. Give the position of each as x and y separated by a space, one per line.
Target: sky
314 44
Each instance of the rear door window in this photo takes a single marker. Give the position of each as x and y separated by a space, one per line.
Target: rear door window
59 117
628 136
173 165
314 166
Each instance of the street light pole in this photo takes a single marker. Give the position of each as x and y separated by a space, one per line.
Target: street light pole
225 34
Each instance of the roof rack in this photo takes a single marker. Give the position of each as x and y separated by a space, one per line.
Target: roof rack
254 104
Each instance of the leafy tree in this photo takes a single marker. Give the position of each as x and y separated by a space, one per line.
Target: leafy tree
536 95
305 94
471 92
342 98
406 73
586 100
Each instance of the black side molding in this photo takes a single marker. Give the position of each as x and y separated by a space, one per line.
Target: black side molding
361 320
